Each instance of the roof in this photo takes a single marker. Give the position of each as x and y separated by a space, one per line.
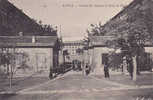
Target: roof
25 41
137 16
100 40
74 38
121 22
124 11
103 40
13 21
72 42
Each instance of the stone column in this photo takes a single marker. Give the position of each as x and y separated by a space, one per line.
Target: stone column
98 69
124 65
134 68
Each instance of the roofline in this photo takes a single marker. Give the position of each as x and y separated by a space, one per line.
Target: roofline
72 41
22 14
100 46
102 36
14 45
121 12
28 36
25 15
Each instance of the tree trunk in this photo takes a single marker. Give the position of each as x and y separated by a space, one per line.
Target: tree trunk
7 68
12 65
10 76
134 68
83 68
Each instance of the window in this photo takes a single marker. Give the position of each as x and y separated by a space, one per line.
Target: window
19 58
41 61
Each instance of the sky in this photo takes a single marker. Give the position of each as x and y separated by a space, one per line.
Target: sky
72 17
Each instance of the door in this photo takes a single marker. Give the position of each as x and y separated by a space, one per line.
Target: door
41 62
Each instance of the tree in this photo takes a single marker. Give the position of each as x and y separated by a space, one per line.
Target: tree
45 29
139 32
96 29
8 60
132 29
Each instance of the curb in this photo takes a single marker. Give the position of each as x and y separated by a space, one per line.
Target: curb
78 91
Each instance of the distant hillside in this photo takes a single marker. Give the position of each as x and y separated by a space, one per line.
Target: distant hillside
13 21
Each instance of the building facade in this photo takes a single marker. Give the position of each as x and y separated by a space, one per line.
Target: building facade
35 49
136 16
33 54
72 47
98 51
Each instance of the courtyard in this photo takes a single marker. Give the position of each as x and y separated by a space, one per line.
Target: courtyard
75 86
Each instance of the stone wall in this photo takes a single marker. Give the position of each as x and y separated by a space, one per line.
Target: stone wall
149 50
97 59
37 61
96 54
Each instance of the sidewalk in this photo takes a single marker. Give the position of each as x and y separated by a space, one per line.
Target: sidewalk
142 80
21 83
25 83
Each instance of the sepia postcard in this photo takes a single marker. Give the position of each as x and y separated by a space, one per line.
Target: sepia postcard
76 49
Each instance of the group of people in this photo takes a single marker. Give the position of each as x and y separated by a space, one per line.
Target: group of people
106 69
87 68
78 67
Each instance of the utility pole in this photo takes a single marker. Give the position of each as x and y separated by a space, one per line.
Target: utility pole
60 31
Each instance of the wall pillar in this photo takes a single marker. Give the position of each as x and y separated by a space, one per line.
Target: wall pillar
134 68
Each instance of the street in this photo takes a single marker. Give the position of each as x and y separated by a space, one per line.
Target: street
75 86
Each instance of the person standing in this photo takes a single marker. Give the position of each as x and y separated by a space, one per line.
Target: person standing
51 74
87 69
106 69
130 66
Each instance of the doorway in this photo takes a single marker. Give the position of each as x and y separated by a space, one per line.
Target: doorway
41 62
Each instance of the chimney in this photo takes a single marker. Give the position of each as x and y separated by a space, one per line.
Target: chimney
33 39
20 33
